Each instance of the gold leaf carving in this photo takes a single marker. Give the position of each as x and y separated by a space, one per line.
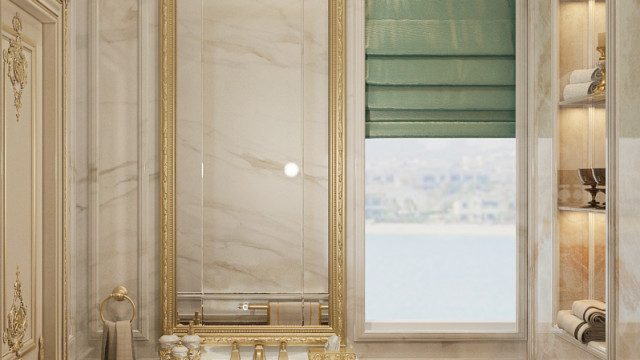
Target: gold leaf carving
16 62
65 181
16 319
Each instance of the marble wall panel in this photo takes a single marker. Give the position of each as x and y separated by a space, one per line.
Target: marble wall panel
252 214
599 280
189 147
573 259
543 116
573 23
627 109
316 146
546 345
79 195
252 97
573 138
114 165
628 327
115 144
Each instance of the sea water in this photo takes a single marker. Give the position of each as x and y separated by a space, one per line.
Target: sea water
440 278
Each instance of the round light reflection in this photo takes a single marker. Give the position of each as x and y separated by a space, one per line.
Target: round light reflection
291 169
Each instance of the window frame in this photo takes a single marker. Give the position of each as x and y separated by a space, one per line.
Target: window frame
356 194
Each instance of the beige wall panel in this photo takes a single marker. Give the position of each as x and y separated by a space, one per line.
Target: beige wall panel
21 147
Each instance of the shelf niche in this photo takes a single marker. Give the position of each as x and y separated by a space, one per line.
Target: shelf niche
580 143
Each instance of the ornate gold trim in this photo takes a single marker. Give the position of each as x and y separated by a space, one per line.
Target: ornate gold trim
65 185
167 166
267 335
41 348
17 64
321 354
337 160
16 320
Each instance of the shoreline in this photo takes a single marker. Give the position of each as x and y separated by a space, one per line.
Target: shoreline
439 229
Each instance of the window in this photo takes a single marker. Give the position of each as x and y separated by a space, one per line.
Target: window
444 161
440 234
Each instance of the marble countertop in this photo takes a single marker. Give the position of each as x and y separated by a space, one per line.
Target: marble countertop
246 352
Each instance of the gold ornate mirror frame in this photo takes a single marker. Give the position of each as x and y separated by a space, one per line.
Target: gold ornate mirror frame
244 334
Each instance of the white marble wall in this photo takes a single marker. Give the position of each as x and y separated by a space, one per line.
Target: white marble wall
114 169
627 109
252 97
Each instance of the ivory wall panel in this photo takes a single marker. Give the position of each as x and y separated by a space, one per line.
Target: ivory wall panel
21 174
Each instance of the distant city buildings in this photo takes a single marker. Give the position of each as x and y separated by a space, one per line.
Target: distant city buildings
477 189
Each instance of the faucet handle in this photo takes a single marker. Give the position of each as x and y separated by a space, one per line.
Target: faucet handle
283 355
258 353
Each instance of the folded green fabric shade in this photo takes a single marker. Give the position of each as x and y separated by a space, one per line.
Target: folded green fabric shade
440 68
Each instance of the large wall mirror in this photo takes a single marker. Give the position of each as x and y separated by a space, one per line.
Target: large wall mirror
252 173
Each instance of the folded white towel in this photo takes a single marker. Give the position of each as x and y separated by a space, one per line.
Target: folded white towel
585 75
573 91
580 329
593 312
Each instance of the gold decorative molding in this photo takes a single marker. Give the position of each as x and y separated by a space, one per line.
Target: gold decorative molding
16 61
337 160
65 184
321 354
250 340
41 349
267 335
16 320
167 166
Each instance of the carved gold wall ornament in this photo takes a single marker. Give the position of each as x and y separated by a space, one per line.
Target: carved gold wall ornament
16 319
16 62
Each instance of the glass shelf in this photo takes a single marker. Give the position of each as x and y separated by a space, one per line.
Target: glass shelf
577 207
596 348
593 99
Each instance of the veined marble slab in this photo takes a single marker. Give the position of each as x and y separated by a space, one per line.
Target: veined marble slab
252 97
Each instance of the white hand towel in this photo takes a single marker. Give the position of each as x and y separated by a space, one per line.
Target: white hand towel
573 91
593 312
579 329
585 75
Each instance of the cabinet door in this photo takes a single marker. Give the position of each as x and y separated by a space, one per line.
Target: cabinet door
21 183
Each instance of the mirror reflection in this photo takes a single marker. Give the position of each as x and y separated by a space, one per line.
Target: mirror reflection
252 162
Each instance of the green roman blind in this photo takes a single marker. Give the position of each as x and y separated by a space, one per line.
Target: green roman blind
440 68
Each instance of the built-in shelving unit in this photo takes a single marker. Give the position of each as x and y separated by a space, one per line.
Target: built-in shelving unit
594 99
580 208
580 143
596 348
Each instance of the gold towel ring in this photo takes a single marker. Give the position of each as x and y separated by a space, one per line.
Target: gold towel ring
119 293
